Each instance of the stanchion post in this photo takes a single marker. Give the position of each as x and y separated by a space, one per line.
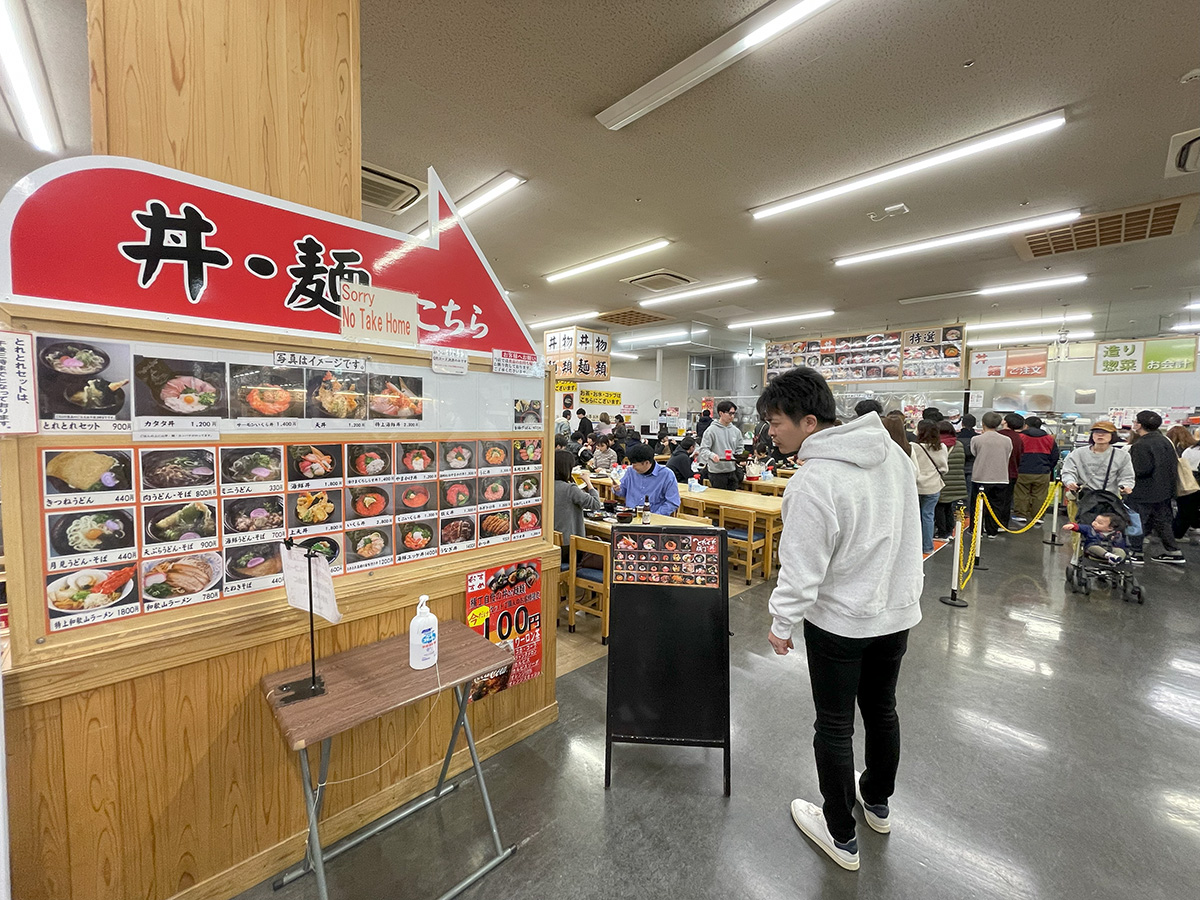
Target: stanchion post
979 534
954 599
1053 540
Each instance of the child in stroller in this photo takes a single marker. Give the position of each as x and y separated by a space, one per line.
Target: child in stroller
1101 554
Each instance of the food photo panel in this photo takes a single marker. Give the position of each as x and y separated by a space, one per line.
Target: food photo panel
329 546
395 400
253 567
251 520
456 534
369 463
172 528
251 470
495 528
92 595
527 522
495 492
85 538
495 457
527 455
179 393
181 580
527 415
78 478
83 381
369 548
416 461
417 539
337 396
457 496
313 512
527 489
458 458
415 500
266 397
314 466
179 473
369 504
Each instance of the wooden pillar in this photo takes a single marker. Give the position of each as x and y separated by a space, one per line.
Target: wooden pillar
264 94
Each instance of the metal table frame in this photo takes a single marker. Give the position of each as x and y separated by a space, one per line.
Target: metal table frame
314 796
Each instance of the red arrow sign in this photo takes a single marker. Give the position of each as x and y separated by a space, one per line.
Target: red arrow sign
156 243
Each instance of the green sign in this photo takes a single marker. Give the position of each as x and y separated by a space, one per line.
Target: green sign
1152 357
1171 355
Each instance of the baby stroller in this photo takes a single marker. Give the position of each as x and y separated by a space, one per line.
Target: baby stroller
1083 571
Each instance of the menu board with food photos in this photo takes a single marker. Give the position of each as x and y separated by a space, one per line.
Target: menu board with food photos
128 531
923 354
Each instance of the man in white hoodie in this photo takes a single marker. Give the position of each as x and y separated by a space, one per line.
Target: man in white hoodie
850 570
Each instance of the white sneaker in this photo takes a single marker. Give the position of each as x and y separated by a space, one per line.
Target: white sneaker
877 816
809 819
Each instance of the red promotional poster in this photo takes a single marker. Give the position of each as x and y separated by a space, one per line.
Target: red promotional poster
105 231
504 604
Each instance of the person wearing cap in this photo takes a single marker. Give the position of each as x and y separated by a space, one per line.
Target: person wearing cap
1098 466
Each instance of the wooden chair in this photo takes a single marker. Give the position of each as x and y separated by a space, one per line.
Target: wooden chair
699 520
563 570
593 582
691 504
741 529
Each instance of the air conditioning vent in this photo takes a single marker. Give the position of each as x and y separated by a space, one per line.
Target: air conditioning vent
659 280
1166 218
389 191
1183 154
632 317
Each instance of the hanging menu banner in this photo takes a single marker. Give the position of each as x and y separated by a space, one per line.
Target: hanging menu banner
18 411
1025 363
925 354
1167 355
579 354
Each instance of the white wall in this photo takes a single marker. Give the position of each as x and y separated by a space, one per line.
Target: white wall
1068 376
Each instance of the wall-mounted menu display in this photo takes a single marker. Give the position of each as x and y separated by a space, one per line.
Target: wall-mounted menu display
127 532
179 393
83 385
934 353
923 354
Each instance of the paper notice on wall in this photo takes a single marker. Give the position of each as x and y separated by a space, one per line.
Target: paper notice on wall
18 406
449 361
297 582
378 315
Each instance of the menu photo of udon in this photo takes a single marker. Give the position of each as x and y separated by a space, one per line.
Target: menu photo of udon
368 464
181 580
177 473
253 567
172 528
369 548
92 595
251 470
79 477
369 504
527 415
253 520
83 381
84 538
394 400
314 466
337 396
179 393
416 461
266 396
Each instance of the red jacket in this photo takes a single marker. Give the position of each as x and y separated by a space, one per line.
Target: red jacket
1014 461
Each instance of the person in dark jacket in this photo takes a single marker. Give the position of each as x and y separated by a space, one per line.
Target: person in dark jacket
954 484
1013 423
681 460
965 435
1156 469
1039 453
585 424
862 407
703 422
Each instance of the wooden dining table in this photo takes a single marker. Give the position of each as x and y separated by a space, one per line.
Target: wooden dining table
598 528
770 508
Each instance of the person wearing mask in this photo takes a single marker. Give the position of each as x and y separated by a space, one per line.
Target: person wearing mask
646 478
862 407
990 473
721 442
954 489
1156 471
605 426
966 434
930 456
1013 423
585 424
702 423
1039 453
681 460
855 617
563 425
604 458
1098 466
570 500
1187 508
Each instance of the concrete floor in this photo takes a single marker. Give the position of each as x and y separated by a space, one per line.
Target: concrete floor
1051 750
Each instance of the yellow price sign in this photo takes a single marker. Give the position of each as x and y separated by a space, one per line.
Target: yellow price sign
478 616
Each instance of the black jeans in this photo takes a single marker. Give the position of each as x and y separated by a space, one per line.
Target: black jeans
1158 519
843 670
1000 498
1187 514
727 481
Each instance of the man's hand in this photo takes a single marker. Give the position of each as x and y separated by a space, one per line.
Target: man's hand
779 645
1126 491
1072 487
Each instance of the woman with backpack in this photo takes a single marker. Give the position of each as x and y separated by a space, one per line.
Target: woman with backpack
932 462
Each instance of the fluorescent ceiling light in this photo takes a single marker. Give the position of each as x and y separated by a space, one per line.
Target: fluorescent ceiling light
1189 326
1195 305
749 34
962 237
1030 338
617 257
1001 289
619 355
23 80
676 343
663 335
778 319
699 292
1021 323
497 187
969 147
566 320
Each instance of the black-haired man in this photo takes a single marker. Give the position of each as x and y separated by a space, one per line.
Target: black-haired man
585 424
647 479
1156 468
722 441
862 407
856 616
681 460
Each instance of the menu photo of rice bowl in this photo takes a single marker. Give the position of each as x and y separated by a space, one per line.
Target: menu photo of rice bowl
393 396
416 461
369 547
417 539
266 392
528 522
180 387
369 461
314 465
457 534
369 502
333 394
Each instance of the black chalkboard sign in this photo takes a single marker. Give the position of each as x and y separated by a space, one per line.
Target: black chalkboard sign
668 646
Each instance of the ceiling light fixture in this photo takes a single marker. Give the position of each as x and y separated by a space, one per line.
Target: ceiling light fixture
23 80
1187 326
969 147
1001 289
1022 323
617 257
962 237
1030 339
619 355
566 320
700 291
676 343
1193 305
775 320
494 189
637 339
749 34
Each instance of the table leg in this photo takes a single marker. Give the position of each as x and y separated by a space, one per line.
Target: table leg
311 804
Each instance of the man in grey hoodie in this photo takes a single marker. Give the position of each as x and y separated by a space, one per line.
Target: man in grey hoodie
722 441
850 570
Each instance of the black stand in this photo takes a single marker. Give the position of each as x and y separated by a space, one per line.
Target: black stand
314 687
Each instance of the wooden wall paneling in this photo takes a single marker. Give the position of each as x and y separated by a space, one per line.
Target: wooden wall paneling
274 817
182 858
141 740
39 848
233 768
97 75
94 792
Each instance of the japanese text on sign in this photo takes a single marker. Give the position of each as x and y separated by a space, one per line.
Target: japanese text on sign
18 411
599 398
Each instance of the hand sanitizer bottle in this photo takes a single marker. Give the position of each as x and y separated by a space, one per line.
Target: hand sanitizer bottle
422 636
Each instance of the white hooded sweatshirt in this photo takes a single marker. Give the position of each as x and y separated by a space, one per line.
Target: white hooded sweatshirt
850 552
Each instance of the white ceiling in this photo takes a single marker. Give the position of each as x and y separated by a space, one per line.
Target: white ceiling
478 87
